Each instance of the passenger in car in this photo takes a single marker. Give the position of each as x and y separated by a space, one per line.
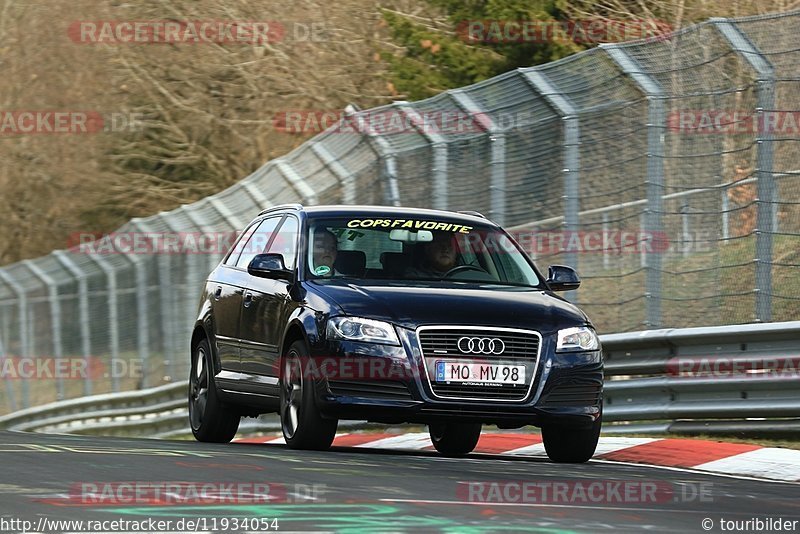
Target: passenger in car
325 250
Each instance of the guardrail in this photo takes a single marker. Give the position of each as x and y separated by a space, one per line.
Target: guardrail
726 379
742 379
154 411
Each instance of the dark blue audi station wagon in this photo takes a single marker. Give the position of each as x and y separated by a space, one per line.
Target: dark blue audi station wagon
392 315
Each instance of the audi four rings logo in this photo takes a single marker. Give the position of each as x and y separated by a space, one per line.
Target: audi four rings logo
481 345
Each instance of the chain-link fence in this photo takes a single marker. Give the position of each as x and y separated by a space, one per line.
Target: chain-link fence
665 171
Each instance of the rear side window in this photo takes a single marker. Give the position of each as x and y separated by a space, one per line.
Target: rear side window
233 257
257 241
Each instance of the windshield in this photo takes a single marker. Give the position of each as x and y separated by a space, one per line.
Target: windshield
414 249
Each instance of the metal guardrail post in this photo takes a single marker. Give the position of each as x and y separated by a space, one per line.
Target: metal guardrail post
305 191
12 398
10 393
55 318
654 225
767 191
383 150
195 270
725 215
562 105
346 179
113 314
142 330
497 141
194 217
229 217
439 147
165 300
606 241
83 313
253 192
177 319
22 319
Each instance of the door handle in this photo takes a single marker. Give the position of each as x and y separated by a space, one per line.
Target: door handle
248 299
218 293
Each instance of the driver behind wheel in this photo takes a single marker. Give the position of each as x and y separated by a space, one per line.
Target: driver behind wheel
438 257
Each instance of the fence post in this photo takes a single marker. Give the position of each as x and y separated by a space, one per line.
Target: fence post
606 229
113 314
195 270
22 318
385 153
83 314
654 224
12 400
304 191
497 142
725 219
767 192
439 148
142 330
222 210
170 293
347 180
564 107
55 319
165 298
254 192
686 227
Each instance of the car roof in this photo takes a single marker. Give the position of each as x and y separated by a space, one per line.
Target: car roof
353 210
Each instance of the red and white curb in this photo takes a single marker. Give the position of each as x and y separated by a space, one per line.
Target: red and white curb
713 456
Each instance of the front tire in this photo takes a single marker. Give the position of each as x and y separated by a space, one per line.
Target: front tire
302 425
454 439
210 419
571 445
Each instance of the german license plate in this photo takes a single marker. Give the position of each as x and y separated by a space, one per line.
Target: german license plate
481 373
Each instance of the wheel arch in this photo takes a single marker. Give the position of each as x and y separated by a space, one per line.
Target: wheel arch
201 331
295 331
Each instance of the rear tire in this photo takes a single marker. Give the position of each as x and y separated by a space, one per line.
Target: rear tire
210 419
302 425
571 445
454 439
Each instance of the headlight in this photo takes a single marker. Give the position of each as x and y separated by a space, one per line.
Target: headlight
359 329
576 339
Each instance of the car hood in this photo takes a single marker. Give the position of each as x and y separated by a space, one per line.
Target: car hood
427 303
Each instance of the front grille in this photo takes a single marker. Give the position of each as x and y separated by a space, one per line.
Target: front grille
371 389
445 342
519 348
574 395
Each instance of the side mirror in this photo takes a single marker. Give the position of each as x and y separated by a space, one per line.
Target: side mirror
269 266
562 278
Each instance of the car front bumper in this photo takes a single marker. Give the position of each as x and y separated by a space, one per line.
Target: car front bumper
566 390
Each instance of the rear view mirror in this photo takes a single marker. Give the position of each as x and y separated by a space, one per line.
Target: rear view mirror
269 266
562 278
411 236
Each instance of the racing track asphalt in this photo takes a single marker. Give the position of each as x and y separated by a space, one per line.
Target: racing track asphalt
365 490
